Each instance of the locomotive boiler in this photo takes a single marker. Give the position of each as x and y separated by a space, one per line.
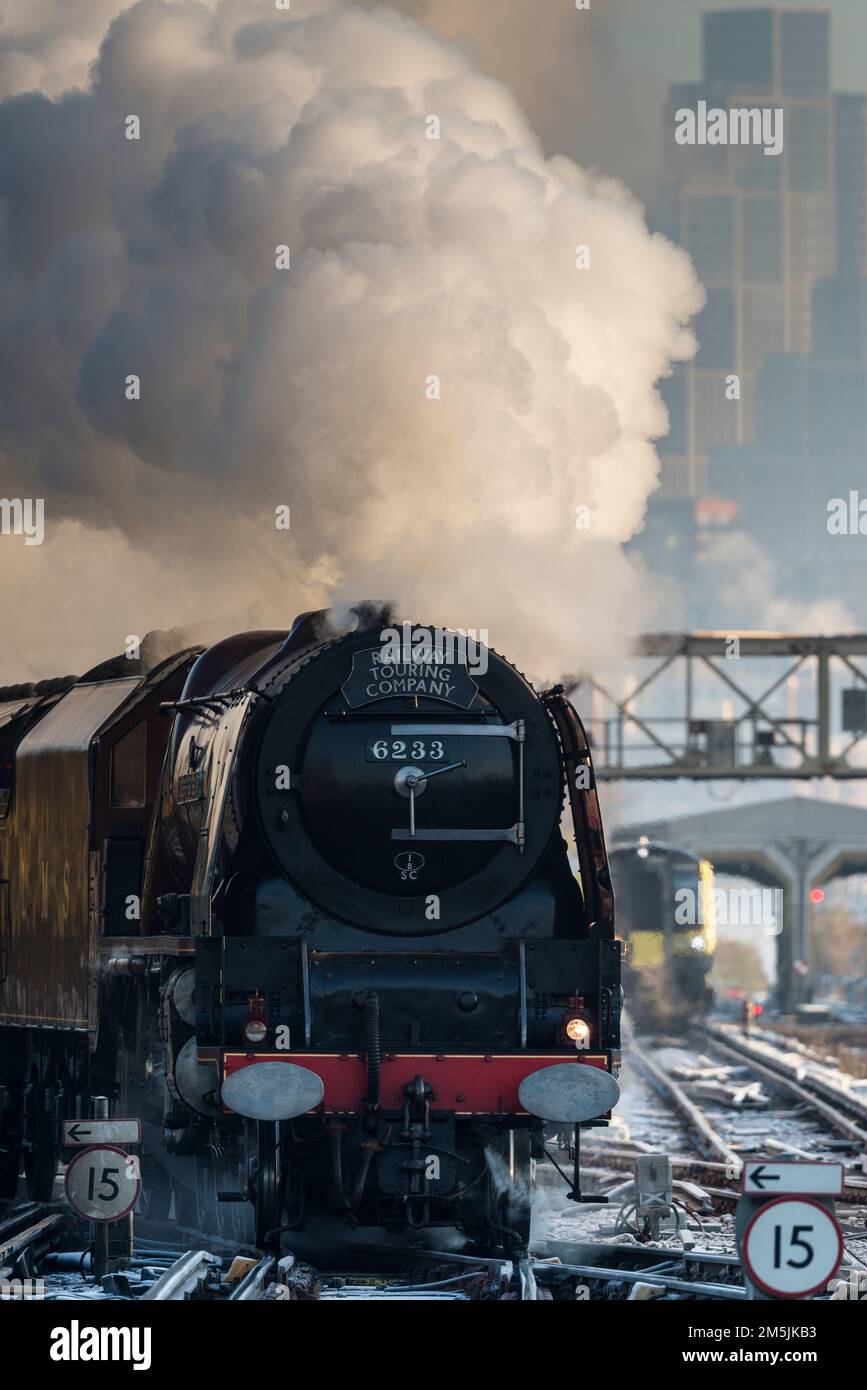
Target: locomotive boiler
302 902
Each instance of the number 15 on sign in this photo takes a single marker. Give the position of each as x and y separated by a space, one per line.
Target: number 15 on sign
792 1247
103 1183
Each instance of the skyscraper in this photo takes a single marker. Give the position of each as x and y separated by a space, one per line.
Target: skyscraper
760 226
840 301
850 126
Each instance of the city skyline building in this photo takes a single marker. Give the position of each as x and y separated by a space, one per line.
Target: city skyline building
762 229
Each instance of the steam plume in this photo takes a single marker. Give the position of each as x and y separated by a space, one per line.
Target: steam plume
411 259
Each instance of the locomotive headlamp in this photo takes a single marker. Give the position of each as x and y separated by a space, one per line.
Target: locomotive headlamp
577 1030
255 1028
697 943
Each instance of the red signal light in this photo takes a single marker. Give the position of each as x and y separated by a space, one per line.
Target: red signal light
817 895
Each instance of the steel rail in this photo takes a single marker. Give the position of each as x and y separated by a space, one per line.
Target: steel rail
695 1119
813 1074
184 1278
575 1252
397 1294
600 1274
774 1077
18 1240
252 1286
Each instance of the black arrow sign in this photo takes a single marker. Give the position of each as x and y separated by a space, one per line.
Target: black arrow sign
75 1132
760 1178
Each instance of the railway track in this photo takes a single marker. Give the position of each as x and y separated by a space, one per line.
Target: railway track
725 1133
199 1275
823 1089
608 1271
709 1140
28 1231
202 1276
704 1141
43 1243
557 1271
670 1108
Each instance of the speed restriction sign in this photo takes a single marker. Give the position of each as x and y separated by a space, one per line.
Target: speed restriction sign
103 1183
792 1247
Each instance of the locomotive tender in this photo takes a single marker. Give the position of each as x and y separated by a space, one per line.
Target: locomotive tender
306 910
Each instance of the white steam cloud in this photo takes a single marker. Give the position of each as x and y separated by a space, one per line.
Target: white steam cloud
411 258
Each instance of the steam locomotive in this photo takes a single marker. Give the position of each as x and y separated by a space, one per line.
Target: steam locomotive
302 903
665 912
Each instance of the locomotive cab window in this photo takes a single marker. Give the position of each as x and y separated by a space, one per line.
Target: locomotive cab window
129 768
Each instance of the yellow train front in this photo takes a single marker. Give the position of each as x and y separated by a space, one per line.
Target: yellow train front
665 912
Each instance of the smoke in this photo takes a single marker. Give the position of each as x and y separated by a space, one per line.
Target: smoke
570 74
432 388
47 46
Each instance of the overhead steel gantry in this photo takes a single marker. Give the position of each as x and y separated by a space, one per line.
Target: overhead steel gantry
661 730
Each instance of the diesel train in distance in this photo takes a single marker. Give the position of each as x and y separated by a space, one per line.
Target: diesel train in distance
666 917
308 913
